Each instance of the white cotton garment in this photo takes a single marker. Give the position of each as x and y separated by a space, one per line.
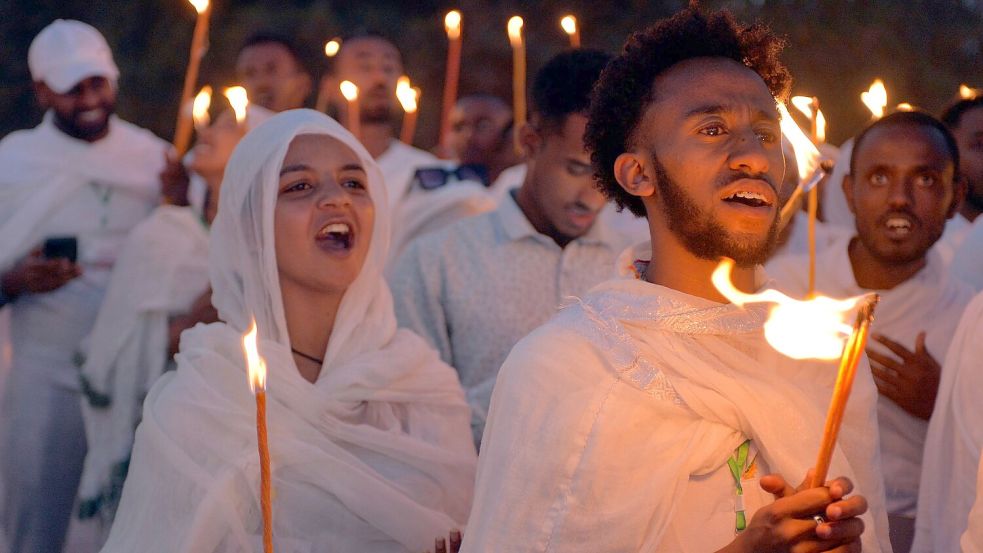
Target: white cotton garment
929 301
952 448
376 455
161 270
605 418
972 539
416 211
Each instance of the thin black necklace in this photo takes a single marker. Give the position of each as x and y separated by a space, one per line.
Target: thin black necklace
308 357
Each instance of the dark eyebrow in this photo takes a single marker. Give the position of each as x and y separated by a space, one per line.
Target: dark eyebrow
293 168
352 167
716 109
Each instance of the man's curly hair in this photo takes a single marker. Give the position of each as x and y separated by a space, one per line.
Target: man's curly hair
624 89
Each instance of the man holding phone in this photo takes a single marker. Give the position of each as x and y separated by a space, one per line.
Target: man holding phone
71 189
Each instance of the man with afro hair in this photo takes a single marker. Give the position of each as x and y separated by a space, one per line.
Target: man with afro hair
650 415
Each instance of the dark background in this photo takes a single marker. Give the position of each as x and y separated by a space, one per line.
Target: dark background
923 50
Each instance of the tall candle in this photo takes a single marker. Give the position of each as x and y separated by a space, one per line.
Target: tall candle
408 98
199 43
350 91
452 24
257 383
518 78
569 25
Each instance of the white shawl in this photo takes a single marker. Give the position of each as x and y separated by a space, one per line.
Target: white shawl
43 167
601 417
952 448
161 270
375 456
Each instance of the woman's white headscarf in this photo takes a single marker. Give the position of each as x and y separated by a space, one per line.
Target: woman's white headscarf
374 456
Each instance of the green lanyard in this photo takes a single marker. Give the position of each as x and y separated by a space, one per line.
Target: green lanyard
738 466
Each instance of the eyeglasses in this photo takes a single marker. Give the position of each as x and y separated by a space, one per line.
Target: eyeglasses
430 178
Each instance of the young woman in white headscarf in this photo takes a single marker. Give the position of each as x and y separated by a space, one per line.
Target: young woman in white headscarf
368 429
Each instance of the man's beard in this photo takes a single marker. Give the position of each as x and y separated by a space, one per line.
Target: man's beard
701 234
70 124
974 195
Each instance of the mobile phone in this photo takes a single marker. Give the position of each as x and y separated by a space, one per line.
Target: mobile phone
61 247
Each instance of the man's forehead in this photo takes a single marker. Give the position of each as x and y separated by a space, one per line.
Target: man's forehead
369 47
913 144
719 84
264 52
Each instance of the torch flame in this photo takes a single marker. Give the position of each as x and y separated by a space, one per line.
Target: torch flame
452 24
332 47
967 93
875 98
569 24
239 101
199 109
406 94
255 363
515 31
800 329
806 155
349 90
200 5
803 104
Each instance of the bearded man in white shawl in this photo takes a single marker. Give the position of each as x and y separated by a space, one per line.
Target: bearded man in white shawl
950 482
646 416
84 178
368 429
903 185
159 288
374 64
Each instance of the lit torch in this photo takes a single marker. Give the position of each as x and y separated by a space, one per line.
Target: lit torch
967 93
331 49
239 101
350 91
199 111
452 25
810 107
811 169
257 383
199 43
569 26
408 98
875 98
812 329
518 78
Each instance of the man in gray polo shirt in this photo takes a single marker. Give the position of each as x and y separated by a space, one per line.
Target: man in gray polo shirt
473 289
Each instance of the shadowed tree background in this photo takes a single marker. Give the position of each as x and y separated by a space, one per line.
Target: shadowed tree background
922 49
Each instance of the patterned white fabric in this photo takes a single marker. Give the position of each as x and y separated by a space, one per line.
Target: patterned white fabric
476 287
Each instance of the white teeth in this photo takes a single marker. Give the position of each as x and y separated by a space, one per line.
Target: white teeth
750 196
898 223
335 228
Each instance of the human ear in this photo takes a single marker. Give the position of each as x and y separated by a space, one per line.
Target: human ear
633 175
43 94
530 139
848 192
960 186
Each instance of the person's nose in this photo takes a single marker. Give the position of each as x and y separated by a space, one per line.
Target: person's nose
748 154
334 195
899 194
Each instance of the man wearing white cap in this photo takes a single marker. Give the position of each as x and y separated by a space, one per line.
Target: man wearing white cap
71 189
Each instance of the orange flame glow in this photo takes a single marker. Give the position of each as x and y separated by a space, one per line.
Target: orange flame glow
406 94
820 126
800 329
255 363
452 24
806 154
332 47
905 106
515 31
239 101
200 5
803 104
349 90
199 109
875 98
967 93
569 24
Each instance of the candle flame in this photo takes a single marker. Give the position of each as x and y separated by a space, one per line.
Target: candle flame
806 154
255 363
199 109
515 31
349 90
452 24
967 93
332 47
875 98
200 5
905 106
569 24
406 94
803 104
820 126
801 329
239 101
